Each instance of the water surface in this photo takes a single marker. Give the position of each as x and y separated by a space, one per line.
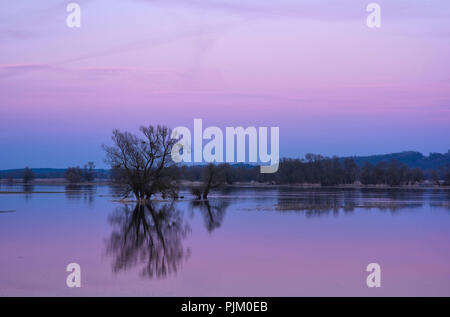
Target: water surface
242 242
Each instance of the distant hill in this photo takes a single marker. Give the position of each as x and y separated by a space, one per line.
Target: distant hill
409 158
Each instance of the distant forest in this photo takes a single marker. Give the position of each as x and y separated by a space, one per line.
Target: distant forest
402 168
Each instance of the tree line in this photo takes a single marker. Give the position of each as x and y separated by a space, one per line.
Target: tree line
313 169
316 169
71 174
78 175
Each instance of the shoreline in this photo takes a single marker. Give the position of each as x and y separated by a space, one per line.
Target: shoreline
63 182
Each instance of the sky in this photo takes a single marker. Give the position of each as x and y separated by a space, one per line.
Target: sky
313 68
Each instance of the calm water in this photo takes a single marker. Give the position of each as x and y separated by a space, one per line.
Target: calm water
244 242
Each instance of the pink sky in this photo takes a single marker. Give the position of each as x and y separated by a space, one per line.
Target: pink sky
313 68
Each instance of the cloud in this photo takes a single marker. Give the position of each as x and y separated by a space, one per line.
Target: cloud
146 42
6 34
8 70
104 70
15 15
315 9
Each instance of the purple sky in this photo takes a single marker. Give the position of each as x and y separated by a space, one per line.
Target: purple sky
313 68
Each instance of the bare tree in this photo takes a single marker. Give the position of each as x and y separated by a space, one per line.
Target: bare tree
88 172
28 175
74 174
351 170
434 177
213 176
446 175
143 162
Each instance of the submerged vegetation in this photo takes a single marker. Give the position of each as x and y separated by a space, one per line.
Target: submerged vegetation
28 175
142 164
78 175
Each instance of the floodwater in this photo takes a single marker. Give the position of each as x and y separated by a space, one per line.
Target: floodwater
242 242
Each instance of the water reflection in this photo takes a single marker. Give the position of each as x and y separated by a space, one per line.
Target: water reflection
323 202
150 235
76 192
442 200
212 212
28 190
145 245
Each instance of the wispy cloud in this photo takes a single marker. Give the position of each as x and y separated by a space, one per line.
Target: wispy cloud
143 43
314 9
6 34
8 70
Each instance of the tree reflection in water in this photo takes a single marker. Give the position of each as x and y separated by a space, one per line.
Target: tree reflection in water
148 234
28 189
323 202
212 212
76 192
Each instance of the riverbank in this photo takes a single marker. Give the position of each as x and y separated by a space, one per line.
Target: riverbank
103 182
